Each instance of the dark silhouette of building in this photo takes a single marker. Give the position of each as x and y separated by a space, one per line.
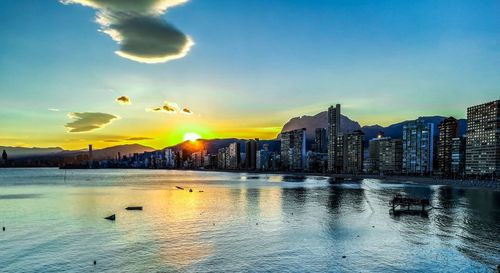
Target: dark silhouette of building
320 141
251 153
353 152
4 157
448 130
293 149
457 156
333 138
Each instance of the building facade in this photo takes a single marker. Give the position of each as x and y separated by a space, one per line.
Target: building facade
251 147
448 130
457 156
233 157
353 152
333 135
482 155
418 148
293 149
320 141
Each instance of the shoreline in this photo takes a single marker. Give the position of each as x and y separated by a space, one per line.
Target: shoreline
422 180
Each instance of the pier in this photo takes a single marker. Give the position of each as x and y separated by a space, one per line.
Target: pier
401 204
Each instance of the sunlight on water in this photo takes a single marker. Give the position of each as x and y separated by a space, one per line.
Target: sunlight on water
237 223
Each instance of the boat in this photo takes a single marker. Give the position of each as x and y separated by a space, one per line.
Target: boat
133 208
111 217
180 188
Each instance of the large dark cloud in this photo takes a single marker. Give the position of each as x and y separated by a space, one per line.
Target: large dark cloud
137 26
88 121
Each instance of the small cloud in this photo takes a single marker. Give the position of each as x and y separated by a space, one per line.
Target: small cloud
139 29
168 107
139 138
124 100
88 121
54 109
186 111
112 140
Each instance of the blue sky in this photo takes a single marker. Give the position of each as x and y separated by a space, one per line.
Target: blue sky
254 65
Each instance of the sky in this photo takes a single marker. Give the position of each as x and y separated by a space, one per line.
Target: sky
112 72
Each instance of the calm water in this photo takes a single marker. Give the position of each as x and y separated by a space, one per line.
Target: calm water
239 223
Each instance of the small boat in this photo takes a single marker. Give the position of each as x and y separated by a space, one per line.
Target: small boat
111 217
180 188
133 208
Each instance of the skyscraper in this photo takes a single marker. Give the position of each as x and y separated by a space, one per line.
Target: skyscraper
390 156
482 155
320 141
353 152
333 133
448 129
457 156
418 145
233 156
251 153
293 149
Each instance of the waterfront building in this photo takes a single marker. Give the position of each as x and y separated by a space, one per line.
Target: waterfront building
320 144
262 160
169 158
293 149
482 156
353 152
457 156
251 147
221 158
333 134
448 130
418 148
233 156
390 156
91 157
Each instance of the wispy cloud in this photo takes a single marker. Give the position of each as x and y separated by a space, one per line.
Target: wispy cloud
136 25
54 109
88 121
124 100
139 138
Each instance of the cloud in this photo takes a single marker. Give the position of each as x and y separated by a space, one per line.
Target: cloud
186 111
139 138
136 25
53 109
124 100
88 121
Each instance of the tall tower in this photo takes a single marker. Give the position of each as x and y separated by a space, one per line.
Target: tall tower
91 163
333 133
448 129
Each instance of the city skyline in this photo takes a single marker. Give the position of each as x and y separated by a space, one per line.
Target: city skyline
63 85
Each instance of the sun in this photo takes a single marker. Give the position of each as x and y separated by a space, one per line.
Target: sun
191 137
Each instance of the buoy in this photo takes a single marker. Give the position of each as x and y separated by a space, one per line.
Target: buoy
343 257
373 226
3 228
95 262
190 190
256 224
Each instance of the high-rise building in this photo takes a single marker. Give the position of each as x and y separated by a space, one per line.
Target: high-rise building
293 149
233 156
251 153
448 129
91 156
390 156
320 141
353 152
333 134
418 147
457 156
482 155
221 158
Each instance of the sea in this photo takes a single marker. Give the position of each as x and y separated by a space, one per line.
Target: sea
200 221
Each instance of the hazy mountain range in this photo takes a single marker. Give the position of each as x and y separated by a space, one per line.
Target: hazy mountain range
319 120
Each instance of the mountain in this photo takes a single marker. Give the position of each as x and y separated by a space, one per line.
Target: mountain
396 130
16 152
110 152
212 145
319 120
347 125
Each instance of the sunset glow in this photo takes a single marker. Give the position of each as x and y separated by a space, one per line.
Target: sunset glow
191 137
